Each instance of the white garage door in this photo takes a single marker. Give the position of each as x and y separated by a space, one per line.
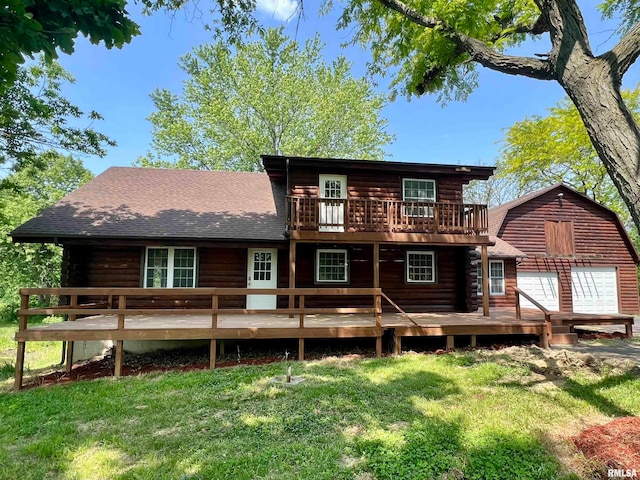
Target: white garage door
594 290
542 286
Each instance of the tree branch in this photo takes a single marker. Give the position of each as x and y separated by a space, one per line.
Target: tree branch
626 52
478 50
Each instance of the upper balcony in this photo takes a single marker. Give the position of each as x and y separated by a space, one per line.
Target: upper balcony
353 215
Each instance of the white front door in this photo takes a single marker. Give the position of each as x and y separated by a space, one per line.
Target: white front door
594 289
262 272
542 287
333 192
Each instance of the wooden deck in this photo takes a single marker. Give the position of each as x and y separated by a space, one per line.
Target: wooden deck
113 320
278 325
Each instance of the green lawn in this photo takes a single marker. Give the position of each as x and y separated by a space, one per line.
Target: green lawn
39 355
454 416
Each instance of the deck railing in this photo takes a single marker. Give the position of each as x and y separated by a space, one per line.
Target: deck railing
369 215
539 306
77 302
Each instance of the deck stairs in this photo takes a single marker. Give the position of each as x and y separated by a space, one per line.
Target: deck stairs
562 335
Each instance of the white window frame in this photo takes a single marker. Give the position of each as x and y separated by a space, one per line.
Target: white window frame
503 278
422 211
170 264
430 253
346 265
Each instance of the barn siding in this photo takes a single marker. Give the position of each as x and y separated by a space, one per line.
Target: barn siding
597 239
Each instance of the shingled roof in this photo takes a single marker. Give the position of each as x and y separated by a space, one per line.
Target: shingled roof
501 249
145 203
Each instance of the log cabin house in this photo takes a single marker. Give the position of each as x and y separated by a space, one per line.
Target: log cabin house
299 252
567 251
304 222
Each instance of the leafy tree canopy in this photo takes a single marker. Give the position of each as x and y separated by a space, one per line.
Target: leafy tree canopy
271 96
35 117
540 151
435 46
23 195
28 27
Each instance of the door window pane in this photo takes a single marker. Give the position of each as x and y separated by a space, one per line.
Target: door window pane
262 266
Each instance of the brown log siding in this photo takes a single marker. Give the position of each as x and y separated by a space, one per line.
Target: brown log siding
122 266
448 293
597 242
509 298
372 185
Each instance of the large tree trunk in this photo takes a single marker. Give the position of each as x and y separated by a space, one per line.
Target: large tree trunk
590 84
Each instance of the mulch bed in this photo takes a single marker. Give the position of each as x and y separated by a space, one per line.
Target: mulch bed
584 335
105 367
614 445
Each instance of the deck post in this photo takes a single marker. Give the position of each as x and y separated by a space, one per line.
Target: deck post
474 341
397 344
292 275
122 305
485 281
22 325
376 265
72 318
518 309
377 304
628 329
214 326
450 344
300 339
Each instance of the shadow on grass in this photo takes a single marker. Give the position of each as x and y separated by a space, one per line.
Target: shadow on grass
590 393
587 392
345 419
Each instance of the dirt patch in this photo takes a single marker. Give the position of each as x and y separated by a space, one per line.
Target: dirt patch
553 363
614 445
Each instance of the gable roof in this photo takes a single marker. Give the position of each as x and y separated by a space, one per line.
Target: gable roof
498 248
145 203
497 215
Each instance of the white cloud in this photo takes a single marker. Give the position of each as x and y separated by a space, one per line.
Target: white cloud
278 9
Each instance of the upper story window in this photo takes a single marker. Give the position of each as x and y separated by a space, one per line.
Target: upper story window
331 266
559 237
421 267
496 277
418 190
170 267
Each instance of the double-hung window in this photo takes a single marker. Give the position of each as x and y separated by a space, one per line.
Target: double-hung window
496 277
421 267
416 191
331 266
170 267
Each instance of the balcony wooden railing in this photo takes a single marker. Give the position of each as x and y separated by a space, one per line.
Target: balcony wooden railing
368 215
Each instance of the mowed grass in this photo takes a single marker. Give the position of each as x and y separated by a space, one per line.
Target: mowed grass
38 356
414 417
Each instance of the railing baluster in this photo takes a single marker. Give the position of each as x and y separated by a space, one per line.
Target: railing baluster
371 215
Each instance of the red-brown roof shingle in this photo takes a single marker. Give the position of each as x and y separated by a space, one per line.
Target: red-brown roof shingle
127 202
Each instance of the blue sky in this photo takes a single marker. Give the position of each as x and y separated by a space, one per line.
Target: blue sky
117 84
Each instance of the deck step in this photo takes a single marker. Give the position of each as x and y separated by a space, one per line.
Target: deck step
564 339
555 329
